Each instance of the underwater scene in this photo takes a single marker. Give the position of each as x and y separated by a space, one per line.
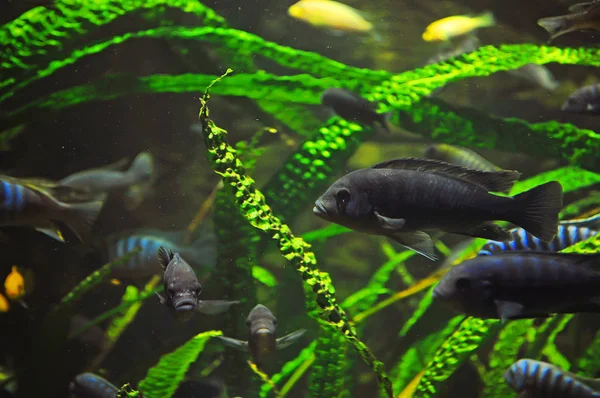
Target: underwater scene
299 198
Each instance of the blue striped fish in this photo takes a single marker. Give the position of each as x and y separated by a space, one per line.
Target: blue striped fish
202 252
569 233
24 204
90 385
533 379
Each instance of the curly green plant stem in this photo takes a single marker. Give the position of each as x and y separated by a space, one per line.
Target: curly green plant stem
254 207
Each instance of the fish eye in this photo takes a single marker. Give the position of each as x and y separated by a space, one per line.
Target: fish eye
171 292
343 197
463 285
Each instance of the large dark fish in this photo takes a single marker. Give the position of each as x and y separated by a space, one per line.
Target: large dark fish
459 156
524 284
25 204
583 16
182 288
584 100
261 342
569 233
536 379
200 253
90 385
403 198
353 107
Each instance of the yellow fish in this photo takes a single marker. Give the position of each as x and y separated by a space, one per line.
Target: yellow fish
17 285
447 28
4 305
330 14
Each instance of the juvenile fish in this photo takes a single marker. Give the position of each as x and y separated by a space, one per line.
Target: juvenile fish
583 16
569 233
182 288
201 253
458 25
584 100
459 156
90 385
523 284
24 204
261 342
533 379
537 74
403 198
331 15
353 107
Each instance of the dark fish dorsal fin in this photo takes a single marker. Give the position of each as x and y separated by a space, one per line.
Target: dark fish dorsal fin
165 255
497 181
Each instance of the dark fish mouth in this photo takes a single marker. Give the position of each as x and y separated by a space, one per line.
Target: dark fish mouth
263 331
319 209
188 304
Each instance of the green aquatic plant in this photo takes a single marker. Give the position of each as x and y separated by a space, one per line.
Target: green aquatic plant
163 379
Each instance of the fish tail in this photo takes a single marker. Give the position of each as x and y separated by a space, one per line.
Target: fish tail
142 166
384 120
80 217
556 26
486 19
536 210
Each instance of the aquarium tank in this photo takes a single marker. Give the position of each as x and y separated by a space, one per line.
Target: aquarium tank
313 198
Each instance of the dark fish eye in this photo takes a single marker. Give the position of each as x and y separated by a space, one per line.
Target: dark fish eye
343 197
463 284
171 292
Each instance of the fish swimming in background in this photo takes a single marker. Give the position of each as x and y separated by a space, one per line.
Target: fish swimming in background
584 100
403 198
108 180
331 15
569 233
262 343
4 304
468 44
532 379
537 74
24 204
93 336
90 385
353 107
18 283
522 284
182 288
200 253
450 27
583 16
460 156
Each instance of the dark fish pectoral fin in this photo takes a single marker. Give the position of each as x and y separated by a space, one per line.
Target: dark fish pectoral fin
487 230
234 343
214 307
510 310
393 224
165 255
161 298
53 232
418 241
289 339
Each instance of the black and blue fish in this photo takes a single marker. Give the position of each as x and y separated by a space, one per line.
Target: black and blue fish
90 385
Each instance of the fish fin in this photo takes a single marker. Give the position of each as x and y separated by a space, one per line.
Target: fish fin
214 307
556 26
486 19
23 303
384 120
510 310
53 232
142 166
497 181
81 217
581 7
161 298
418 241
234 343
289 339
203 250
592 222
393 224
488 230
536 210
165 255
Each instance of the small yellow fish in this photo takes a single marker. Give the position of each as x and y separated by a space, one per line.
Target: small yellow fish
14 284
4 305
447 28
330 14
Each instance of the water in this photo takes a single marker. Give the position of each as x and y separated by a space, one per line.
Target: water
87 85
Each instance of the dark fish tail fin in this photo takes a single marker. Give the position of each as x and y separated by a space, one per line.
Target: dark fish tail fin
536 210
556 26
384 120
81 217
165 255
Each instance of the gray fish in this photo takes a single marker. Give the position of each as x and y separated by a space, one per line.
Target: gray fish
584 16
106 180
522 284
93 336
584 100
569 233
90 385
459 156
468 44
261 342
536 379
23 203
537 74
182 288
353 107
403 198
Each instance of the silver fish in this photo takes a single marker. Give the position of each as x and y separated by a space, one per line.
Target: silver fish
522 284
538 74
403 198
584 100
261 342
182 288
